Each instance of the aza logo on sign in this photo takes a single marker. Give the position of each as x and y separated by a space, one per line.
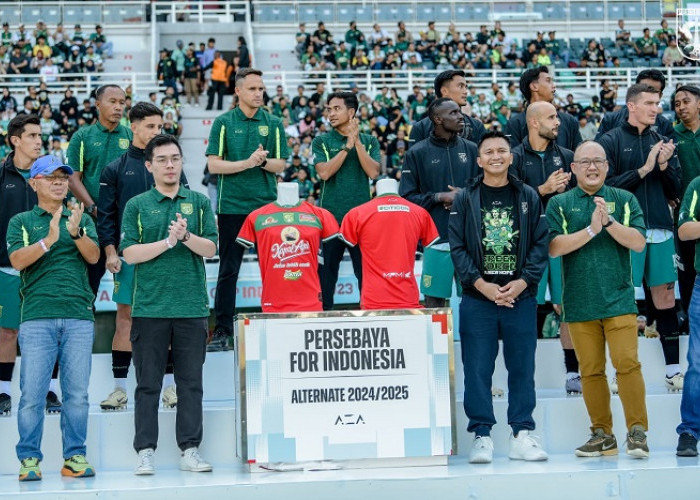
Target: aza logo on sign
349 419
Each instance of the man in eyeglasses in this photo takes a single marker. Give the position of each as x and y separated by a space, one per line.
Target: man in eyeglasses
594 227
644 162
51 247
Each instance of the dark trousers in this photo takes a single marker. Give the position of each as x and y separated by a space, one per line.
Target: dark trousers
150 338
230 258
96 271
481 322
687 275
333 251
218 88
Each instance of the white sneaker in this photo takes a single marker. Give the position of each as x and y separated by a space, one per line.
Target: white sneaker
613 385
191 461
525 447
482 450
144 466
115 401
675 383
169 397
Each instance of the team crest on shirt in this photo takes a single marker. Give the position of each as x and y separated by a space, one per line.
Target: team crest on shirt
263 130
116 287
610 206
463 157
557 161
427 280
124 143
288 217
186 208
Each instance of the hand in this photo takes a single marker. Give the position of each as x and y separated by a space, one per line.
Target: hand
665 154
113 262
556 182
54 230
179 227
603 208
651 159
488 290
354 131
76 215
448 197
258 157
596 221
507 294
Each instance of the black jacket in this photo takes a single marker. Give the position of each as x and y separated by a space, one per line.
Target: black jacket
569 133
429 167
534 170
627 150
617 118
473 130
16 196
465 236
121 180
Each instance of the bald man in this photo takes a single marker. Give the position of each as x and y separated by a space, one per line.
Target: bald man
545 165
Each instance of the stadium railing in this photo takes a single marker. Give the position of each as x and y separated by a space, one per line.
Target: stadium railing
86 13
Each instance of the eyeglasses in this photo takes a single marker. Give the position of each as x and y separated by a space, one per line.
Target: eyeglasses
598 162
54 178
162 161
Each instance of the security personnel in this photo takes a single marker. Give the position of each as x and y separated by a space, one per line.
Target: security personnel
536 84
345 160
433 172
643 162
90 149
453 85
167 230
247 149
120 181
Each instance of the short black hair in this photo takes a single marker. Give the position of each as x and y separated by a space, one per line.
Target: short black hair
652 74
349 99
142 110
435 105
240 75
16 126
445 77
493 134
639 88
158 141
691 89
103 88
529 76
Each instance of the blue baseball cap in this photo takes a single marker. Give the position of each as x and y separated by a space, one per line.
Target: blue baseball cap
46 165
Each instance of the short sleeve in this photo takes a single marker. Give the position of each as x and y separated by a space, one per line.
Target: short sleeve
131 231
555 218
246 236
17 236
280 142
330 225
349 231
88 226
320 151
207 224
217 139
374 150
429 233
689 206
633 215
75 152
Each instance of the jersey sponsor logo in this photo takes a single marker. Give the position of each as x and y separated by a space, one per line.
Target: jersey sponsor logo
307 218
9 186
238 131
435 161
97 144
292 245
628 150
399 274
463 157
128 172
156 211
187 208
268 221
123 143
292 275
393 208
610 206
37 228
263 130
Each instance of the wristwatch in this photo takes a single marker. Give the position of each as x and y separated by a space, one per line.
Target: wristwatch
262 165
81 233
91 208
346 149
610 221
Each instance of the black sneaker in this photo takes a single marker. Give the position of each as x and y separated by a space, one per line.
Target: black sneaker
53 404
5 405
219 341
687 445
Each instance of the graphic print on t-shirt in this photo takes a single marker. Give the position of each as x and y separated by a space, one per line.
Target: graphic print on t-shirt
499 234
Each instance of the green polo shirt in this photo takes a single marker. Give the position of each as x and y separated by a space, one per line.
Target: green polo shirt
235 137
690 211
91 148
174 284
688 149
596 278
56 285
349 186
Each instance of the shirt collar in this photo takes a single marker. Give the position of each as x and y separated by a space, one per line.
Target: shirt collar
160 196
239 115
582 194
41 212
104 129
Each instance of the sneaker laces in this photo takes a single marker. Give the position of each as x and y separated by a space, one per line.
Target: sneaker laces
483 442
637 435
146 458
193 453
531 440
78 459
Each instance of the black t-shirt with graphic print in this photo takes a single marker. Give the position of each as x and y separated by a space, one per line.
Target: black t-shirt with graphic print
500 229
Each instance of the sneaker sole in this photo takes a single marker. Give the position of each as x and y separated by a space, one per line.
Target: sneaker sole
30 476
169 406
606 453
144 472
674 389
637 453
112 408
536 459
574 393
89 472
196 469
480 461
688 452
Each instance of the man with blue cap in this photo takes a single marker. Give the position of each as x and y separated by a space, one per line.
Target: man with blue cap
51 246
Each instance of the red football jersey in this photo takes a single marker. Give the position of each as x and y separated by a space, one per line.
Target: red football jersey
387 229
288 240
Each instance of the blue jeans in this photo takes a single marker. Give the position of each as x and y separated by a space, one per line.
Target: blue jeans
42 341
481 324
690 403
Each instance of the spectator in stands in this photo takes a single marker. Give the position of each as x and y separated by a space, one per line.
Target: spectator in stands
608 96
243 54
76 60
42 47
20 34
672 55
379 36
402 32
647 45
663 34
191 75
19 63
572 107
586 128
87 113
248 181
623 37
6 36
220 72
320 37
303 40
91 55
592 55
178 57
48 71
8 104
166 71
61 42
78 37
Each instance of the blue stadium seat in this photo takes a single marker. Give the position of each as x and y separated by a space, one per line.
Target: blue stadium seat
405 13
633 10
550 10
653 10
31 14
501 7
71 15
596 11
616 11
308 14
472 12
426 13
363 13
325 13
91 13
443 13
10 14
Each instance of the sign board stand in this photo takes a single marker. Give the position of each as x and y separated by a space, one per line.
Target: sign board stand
345 389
